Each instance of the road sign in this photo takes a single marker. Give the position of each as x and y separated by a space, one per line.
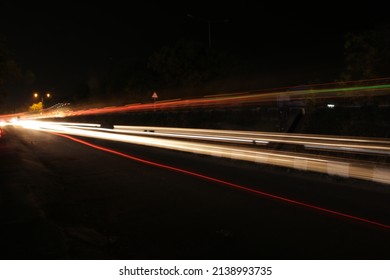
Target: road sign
154 96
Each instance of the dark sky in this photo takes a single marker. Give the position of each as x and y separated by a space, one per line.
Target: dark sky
62 41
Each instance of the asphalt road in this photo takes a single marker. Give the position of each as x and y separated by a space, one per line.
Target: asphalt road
63 200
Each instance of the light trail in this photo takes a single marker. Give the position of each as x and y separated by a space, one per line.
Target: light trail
233 185
234 100
331 143
310 141
220 144
340 90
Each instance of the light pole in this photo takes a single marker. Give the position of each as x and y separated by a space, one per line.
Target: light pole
36 95
208 21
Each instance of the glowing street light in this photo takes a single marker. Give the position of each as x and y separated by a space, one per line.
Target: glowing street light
36 95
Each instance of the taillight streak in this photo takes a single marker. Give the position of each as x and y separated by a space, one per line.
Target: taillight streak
233 185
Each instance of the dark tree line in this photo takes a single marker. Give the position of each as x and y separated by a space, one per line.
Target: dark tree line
367 54
11 75
185 64
9 70
190 64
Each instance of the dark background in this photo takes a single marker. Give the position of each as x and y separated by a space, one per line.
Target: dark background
61 42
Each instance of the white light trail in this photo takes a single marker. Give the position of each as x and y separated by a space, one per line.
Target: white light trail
219 143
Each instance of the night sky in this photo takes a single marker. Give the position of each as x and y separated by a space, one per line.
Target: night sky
62 41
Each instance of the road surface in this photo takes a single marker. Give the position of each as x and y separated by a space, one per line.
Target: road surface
61 199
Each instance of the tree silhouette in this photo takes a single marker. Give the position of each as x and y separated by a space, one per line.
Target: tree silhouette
10 72
187 63
36 107
8 67
367 54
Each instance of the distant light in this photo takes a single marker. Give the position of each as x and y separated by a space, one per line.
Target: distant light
330 106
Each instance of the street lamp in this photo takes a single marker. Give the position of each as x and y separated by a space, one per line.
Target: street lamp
36 95
208 21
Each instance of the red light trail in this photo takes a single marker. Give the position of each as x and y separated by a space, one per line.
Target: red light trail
230 184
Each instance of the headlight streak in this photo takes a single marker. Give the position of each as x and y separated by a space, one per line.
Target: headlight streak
273 136
368 146
215 138
310 142
358 149
302 161
233 185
